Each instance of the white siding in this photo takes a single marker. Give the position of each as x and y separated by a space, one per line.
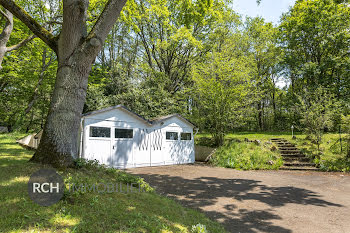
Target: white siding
148 147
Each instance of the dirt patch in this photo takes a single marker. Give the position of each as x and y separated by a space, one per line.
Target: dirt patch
258 201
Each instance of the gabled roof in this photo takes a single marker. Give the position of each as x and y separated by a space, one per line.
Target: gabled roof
153 121
116 107
164 118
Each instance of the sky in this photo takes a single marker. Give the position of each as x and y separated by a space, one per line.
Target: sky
270 10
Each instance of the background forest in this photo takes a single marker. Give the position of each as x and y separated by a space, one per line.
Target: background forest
202 60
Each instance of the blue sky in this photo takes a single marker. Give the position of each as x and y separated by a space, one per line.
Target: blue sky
271 10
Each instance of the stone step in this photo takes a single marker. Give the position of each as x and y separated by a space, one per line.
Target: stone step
298 164
296 154
287 147
298 168
283 142
278 140
290 152
292 159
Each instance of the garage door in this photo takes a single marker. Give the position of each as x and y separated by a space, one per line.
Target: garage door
122 153
157 151
99 144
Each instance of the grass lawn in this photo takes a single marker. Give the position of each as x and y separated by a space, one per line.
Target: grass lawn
86 211
242 155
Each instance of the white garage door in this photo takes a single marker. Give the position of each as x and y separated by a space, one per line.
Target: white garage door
122 149
99 145
157 150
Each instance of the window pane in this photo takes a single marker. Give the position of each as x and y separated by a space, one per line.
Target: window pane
185 136
172 135
100 132
123 133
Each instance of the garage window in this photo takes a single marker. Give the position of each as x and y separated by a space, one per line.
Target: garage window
123 133
172 135
100 132
186 136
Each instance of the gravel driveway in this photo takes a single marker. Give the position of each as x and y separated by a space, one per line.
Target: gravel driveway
258 201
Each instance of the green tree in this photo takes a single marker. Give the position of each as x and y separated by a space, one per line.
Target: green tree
263 46
76 49
222 88
317 108
315 38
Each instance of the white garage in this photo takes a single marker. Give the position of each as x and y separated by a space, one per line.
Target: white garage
119 138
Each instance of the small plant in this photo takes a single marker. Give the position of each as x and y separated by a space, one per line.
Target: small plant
84 163
199 228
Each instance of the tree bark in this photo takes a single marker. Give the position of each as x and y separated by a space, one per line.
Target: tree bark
5 35
76 53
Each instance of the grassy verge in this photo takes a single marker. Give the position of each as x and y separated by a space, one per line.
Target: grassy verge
250 156
86 211
331 158
238 154
247 156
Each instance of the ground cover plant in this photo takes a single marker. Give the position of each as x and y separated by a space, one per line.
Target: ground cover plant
251 156
86 211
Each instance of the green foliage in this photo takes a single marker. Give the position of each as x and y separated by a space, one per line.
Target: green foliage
120 176
133 212
346 127
246 156
315 37
317 111
199 228
328 155
222 88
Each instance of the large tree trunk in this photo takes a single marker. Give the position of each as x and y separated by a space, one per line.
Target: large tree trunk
76 54
58 145
76 51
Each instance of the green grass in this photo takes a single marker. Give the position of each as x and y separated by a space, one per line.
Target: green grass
331 156
246 156
86 211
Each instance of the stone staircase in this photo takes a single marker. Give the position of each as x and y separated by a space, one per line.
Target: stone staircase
293 158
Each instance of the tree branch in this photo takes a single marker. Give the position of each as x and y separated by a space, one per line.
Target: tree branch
106 20
20 44
31 23
5 15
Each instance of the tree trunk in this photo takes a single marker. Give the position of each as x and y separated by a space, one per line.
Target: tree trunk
260 116
5 34
76 53
59 143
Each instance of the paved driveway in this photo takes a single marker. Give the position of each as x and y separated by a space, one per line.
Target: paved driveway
258 201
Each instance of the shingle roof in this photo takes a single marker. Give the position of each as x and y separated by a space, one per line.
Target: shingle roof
151 122
115 107
163 118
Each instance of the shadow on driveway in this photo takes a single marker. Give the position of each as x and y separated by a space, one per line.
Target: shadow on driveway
222 198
